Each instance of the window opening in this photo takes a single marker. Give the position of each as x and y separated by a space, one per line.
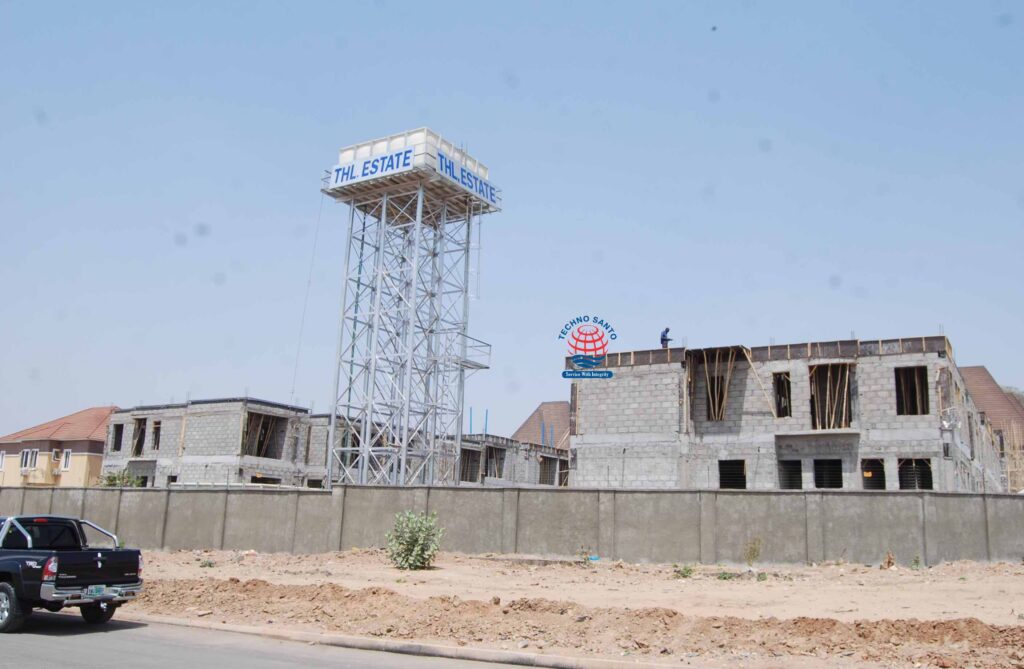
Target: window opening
264 435
828 473
783 394
915 474
469 467
138 437
732 474
872 473
548 470
911 391
791 475
830 396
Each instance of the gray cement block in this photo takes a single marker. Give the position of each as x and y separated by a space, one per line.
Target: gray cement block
68 502
477 532
318 521
102 506
37 501
606 541
707 525
260 520
509 519
140 520
557 522
370 513
863 526
815 525
195 519
954 528
657 526
1006 527
11 501
778 520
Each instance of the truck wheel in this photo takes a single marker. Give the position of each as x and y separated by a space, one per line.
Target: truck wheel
12 614
97 614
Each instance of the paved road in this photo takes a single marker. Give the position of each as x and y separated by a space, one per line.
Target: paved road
63 640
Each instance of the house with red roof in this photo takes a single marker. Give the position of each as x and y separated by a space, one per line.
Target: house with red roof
65 452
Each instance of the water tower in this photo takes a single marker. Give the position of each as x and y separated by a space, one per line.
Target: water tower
414 200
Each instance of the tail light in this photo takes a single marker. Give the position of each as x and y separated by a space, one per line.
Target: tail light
140 565
50 570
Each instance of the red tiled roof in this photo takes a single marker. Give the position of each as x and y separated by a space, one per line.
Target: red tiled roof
999 406
555 418
85 425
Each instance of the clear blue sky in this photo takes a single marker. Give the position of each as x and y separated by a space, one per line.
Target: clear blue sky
740 172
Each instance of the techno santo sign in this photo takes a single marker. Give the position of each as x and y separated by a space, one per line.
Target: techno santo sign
588 338
404 160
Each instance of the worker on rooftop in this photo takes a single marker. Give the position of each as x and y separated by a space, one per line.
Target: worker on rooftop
665 338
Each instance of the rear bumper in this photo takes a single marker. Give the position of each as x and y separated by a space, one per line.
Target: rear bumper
48 592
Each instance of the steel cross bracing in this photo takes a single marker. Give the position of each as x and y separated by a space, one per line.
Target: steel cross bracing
403 352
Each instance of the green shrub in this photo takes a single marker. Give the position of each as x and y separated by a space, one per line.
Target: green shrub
414 541
686 571
121 479
752 551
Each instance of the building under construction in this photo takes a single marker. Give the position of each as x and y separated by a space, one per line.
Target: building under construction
855 414
248 441
1005 412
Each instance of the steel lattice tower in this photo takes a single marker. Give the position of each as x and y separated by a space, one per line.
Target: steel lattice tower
403 348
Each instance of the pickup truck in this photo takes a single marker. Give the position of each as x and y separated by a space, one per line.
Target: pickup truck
46 562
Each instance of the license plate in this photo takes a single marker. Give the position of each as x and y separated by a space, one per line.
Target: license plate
95 590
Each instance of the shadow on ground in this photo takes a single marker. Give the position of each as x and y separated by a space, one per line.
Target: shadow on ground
44 623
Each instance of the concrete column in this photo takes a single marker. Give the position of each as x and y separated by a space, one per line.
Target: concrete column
807 473
708 530
338 507
814 524
509 520
606 524
163 520
892 473
851 468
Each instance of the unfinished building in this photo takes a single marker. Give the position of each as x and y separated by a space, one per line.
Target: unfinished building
218 441
1005 413
853 414
488 459
246 441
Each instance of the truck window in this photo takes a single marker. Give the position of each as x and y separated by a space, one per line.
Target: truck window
14 540
50 534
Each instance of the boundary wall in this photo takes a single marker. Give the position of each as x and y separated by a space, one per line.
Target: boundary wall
633 525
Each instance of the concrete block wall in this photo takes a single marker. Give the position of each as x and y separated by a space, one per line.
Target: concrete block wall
748 411
876 377
635 525
631 462
214 430
318 432
636 400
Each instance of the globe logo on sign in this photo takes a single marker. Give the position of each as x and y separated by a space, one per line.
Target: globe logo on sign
588 337
588 345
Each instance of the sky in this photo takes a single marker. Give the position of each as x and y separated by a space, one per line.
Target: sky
743 173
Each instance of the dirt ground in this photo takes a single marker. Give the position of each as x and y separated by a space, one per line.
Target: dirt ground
839 615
